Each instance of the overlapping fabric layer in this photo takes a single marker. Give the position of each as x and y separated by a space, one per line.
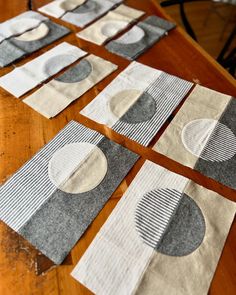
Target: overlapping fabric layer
204 135
138 102
24 78
25 34
54 197
140 37
110 24
56 95
165 236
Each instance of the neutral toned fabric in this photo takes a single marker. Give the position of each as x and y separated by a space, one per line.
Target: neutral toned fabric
203 135
50 218
20 24
56 95
17 47
119 261
140 37
110 25
77 168
202 103
24 78
138 110
89 12
192 274
58 8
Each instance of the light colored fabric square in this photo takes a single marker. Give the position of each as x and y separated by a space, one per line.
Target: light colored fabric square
119 261
26 77
55 96
110 25
58 8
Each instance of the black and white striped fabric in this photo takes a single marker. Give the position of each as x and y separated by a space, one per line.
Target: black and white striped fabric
154 212
30 187
167 91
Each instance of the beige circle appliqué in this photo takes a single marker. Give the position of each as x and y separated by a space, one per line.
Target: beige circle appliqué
77 167
121 102
110 28
36 34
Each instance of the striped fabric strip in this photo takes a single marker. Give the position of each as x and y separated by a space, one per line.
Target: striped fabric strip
154 212
168 91
23 194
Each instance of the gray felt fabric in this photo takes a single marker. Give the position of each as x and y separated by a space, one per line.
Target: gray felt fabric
186 229
154 29
223 171
13 49
88 6
142 110
77 73
61 221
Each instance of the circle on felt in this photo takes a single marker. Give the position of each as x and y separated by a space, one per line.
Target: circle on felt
68 5
132 106
134 35
77 73
77 167
87 7
209 140
56 63
111 28
35 34
24 24
170 222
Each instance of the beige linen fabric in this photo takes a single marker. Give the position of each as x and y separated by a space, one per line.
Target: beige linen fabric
192 274
202 103
55 96
110 25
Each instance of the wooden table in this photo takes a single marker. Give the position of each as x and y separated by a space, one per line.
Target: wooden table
23 132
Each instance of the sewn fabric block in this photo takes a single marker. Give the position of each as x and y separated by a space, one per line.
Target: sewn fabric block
20 24
138 102
15 48
111 24
55 196
89 12
56 95
165 236
58 8
140 37
24 78
204 135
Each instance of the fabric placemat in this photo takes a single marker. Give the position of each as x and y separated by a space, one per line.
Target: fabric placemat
140 37
55 196
20 24
15 48
58 8
111 24
165 236
138 102
24 78
89 12
204 135
56 95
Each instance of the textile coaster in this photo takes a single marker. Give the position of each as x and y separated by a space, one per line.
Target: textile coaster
56 95
165 236
140 37
16 47
24 78
138 102
110 24
55 196
204 135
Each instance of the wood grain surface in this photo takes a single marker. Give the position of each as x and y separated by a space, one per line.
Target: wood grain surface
23 132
